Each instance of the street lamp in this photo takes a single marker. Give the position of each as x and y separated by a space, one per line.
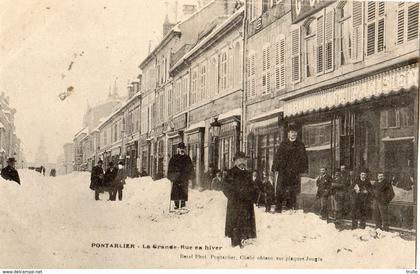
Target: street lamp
215 127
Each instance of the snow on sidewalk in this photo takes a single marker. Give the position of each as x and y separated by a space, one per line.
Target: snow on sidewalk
52 222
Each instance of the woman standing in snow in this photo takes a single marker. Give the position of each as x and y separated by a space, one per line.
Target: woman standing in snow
119 182
241 193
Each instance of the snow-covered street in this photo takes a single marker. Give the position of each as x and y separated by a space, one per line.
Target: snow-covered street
56 223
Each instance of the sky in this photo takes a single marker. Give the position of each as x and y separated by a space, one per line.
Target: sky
39 39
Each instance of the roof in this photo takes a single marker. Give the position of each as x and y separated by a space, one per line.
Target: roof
82 131
205 41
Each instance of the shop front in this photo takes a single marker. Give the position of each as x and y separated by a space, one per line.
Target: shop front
194 140
131 159
370 123
264 137
115 155
144 154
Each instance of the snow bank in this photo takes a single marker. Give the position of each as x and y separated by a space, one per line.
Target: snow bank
54 222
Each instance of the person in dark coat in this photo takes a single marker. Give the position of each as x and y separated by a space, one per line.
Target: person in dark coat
360 199
257 181
96 179
9 172
53 172
383 193
289 162
241 194
216 183
109 177
268 192
339 189
180 173
323 182
119 182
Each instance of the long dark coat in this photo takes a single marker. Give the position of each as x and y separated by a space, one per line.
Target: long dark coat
109 176
241 193
11 174
96 177
119 180
289 161
383 192
180 170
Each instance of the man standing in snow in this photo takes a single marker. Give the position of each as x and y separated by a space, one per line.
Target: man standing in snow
383 193
9 172
96 178
109 177
180 173
323 182
241 193
119 182
359 193
289 162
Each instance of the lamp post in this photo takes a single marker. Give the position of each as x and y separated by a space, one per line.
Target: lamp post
215 134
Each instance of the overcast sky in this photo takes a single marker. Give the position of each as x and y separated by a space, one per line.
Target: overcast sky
39 39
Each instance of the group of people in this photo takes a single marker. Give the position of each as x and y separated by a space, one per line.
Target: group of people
111 181
346 193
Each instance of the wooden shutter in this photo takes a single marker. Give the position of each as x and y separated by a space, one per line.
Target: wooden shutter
320 45
253 91
248 74
381 27
357 31
282 63
401 23
371 29
329 40
296 55
413 22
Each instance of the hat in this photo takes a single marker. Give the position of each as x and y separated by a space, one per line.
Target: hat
11 159
181 145
292 126
111 164
364 170
121 163
239 155
100 162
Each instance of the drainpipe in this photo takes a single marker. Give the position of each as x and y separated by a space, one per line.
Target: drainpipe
244 60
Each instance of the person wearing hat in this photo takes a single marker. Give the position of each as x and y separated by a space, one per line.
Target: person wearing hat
9 172
109 177
180 172
360 192
96 179
119 182
289 162
241 193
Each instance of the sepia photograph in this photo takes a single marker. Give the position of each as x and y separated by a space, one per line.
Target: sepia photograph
209 134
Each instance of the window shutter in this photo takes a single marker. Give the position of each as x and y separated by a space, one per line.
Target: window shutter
357 28
413 22
400 23
296 55
320 45
230 68
370 35
253 92
282 63
248 74
329 41
381 26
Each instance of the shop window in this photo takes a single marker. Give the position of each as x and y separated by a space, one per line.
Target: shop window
390 118
317 135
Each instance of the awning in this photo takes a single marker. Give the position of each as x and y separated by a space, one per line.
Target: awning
230 114
400 80
195 126
266 115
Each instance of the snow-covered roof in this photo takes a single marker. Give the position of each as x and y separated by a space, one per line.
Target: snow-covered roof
208 37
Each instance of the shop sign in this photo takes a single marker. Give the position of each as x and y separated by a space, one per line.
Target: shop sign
377 85
180 122
303 8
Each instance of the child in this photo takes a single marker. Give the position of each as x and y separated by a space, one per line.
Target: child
268 192
216 183
323 182
383 193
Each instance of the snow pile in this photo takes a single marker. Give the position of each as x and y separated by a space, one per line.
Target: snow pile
56 223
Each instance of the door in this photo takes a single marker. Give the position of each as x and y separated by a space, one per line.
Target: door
399 163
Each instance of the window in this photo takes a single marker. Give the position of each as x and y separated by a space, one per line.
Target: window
390 118
310 48
223 71
256 9
317 135
213 77
329 40
203 75
279 48
266 70
344 40
407 22
193 93
407 116
320 45
251 92
237 70
170 101
375 27
185 90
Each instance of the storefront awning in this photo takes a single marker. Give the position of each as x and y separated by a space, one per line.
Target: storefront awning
266 115
230 114
400 80
195 126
